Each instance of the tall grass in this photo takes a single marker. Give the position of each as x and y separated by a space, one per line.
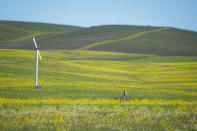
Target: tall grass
97 117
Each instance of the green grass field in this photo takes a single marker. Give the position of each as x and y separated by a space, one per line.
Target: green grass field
84 72
82 90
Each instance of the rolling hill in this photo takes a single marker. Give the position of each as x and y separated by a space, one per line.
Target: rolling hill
84 72
112 38
14 34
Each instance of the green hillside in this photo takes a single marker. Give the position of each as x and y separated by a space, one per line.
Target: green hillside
79 39
84 72
93 75
169 42
11 31
112 38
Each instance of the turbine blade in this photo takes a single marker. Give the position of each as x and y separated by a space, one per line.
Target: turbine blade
39 55
35 42
37 48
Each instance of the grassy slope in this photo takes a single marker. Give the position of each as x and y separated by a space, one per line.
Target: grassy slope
114 38
8 33
167 42
12 31
165 86
130 37
78 39
88 74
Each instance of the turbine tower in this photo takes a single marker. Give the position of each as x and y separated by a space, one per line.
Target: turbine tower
36 67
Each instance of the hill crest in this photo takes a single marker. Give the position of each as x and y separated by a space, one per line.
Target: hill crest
112 38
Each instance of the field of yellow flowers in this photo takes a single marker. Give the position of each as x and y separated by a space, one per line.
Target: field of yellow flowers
104 114
83 90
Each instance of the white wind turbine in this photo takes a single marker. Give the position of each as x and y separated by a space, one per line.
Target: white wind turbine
36 68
